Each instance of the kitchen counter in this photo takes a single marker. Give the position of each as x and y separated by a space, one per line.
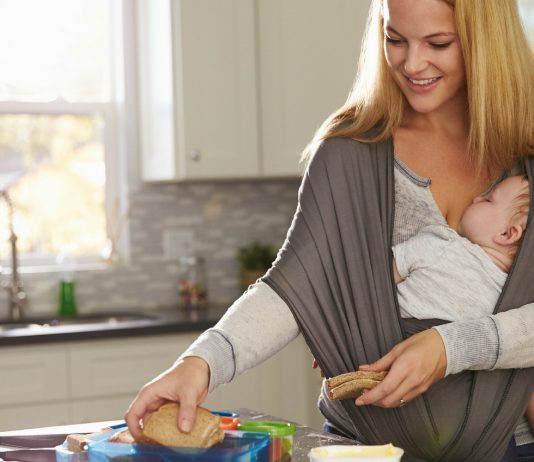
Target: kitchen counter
153 322
305 439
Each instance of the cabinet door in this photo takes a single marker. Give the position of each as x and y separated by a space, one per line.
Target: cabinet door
33 387
30 375
309 51
198 96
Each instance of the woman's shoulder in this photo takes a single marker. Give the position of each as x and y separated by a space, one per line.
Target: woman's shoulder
337 147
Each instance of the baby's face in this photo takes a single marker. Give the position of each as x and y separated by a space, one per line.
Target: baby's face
489 215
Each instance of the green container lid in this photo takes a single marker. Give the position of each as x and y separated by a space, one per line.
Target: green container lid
272 428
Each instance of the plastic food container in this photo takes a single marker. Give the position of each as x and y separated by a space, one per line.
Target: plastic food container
281 434
229 423
229 420
384 453
237 446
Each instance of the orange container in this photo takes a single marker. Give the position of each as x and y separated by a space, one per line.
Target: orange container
229 423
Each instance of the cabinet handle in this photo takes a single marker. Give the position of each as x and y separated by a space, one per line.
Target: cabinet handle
195 155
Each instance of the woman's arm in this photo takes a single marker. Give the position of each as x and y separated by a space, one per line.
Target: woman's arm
255 327
500 341
516 338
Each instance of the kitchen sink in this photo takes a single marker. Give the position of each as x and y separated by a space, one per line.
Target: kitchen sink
60 321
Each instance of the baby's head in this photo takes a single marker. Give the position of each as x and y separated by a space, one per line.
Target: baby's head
497 220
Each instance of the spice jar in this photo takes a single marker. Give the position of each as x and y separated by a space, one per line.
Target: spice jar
192 294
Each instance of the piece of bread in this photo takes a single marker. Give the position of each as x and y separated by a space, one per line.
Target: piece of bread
351 384
124 436
161 428
76 443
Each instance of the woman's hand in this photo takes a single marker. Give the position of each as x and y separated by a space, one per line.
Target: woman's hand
186 383
414 365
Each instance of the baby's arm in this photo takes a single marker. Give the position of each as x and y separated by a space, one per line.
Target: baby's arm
420 251
396 275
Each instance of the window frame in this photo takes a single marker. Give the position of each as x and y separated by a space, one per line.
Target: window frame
118 130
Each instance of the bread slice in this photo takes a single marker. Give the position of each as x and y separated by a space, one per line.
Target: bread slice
124 436
161 428
76 443
351 384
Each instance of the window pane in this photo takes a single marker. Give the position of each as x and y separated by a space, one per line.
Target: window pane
526 10
55 48
59 191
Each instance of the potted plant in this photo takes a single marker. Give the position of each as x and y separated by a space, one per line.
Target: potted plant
254 260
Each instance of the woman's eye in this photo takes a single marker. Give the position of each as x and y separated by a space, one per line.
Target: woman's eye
393 41
440 44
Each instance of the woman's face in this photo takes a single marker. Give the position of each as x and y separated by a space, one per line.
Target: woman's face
423 53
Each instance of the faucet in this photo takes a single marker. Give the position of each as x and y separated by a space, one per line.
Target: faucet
17 298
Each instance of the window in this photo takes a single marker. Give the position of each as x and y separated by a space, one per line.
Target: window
59 90
526 10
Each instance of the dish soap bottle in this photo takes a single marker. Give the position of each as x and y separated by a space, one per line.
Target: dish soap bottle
67 288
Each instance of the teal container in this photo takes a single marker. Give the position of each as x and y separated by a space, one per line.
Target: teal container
67 298
281 435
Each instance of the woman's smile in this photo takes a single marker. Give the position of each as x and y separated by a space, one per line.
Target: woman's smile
423 85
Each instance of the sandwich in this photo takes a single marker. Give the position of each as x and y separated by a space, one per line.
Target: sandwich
161 429
351 384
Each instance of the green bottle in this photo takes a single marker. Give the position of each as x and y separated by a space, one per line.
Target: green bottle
67 298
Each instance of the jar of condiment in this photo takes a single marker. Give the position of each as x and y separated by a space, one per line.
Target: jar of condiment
192 293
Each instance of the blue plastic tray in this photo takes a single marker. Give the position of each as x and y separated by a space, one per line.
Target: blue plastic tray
237 446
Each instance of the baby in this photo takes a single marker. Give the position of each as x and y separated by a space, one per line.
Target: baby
455 276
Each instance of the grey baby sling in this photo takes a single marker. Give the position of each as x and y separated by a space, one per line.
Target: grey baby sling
334 272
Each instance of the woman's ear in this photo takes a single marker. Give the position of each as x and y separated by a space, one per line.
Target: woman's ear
510 236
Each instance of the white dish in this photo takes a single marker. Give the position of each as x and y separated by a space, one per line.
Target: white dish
383 453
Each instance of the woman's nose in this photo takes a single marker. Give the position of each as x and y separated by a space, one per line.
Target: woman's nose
415 62
478 199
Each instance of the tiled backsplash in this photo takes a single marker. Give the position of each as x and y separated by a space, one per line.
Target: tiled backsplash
222 216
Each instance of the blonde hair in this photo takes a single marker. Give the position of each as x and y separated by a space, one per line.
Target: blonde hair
499 78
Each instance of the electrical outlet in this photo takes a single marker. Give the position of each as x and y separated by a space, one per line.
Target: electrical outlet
177 243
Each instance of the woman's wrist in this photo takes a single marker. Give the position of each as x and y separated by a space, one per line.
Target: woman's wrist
470 345
217 353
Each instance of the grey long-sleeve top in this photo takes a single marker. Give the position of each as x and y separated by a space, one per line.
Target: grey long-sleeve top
259 323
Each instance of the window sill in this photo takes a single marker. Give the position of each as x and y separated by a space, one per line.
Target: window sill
41 269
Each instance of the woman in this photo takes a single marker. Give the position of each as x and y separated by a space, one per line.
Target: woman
448 86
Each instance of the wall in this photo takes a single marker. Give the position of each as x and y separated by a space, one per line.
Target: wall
222 215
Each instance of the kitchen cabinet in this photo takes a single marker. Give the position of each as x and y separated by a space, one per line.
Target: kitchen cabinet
96 380
198 96
236 88
308 54
38 375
